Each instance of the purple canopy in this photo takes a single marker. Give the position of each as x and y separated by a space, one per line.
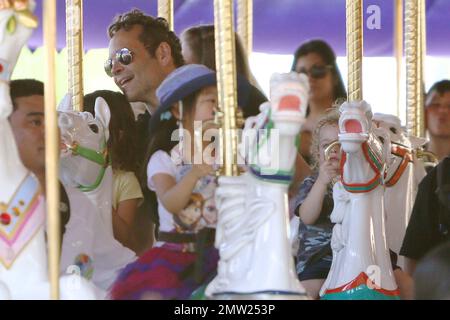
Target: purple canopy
279 26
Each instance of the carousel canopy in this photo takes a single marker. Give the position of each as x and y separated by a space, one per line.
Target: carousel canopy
279 26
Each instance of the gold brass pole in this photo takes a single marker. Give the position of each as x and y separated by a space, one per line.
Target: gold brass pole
245 24
420 112
165 10
414 121
398 47
226 80
74 42
51 147
354 48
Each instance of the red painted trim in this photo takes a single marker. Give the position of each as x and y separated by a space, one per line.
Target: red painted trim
364 147
406 159
362 279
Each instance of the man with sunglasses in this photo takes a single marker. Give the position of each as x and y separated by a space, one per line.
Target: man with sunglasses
142 52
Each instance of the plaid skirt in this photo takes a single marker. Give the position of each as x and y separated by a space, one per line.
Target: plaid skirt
163 273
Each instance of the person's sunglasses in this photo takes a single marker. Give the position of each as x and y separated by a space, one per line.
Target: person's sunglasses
316 72
123 56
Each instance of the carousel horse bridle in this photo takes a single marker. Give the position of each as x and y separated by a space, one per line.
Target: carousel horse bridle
101 158
375 164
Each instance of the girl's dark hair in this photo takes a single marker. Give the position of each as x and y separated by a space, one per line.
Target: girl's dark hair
322 49
122 143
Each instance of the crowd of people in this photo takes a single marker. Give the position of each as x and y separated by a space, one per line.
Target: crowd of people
155 181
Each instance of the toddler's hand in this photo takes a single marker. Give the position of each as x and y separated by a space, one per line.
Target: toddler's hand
201 170
328 170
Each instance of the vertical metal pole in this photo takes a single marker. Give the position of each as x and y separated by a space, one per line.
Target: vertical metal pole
74 42
354 49
226 80
414 118
51 147
245 24
165 10
398 45
420 111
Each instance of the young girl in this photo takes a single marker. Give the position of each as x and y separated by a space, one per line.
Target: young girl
122 150
314 204
183 257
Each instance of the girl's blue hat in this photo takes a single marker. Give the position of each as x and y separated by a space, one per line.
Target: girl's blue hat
188 79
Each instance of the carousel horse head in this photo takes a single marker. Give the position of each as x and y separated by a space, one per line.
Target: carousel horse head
275 130
365 148
16 25
397 133
355 124
84 156
403 145
392 125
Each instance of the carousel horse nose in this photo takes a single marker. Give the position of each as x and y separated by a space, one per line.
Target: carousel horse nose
64 120
353 126
289 103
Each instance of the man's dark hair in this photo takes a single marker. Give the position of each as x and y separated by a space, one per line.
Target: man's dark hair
440 87
154 32
25 88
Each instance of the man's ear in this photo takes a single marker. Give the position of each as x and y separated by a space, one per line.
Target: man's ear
164 54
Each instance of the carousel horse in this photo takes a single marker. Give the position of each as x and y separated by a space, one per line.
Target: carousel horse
23 250
361 267
253 222
84 167
404 173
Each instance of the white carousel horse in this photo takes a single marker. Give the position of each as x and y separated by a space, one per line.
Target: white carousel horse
85 167
23 252
404 173
253 221
361 267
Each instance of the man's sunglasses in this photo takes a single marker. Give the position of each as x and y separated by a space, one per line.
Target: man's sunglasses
124 56
316 72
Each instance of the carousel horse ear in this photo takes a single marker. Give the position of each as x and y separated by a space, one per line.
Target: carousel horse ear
103 114
385 137
65 104
417 141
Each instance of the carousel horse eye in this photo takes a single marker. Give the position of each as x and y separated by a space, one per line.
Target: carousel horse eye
94 128
381 139
393 130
